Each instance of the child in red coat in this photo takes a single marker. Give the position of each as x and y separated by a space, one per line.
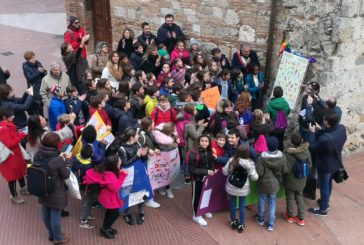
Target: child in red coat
180 52
217 146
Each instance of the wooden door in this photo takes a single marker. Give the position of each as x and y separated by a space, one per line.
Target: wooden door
101 20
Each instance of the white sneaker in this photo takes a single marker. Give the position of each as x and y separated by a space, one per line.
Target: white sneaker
152 204
170 193
162 191
199 220
208 215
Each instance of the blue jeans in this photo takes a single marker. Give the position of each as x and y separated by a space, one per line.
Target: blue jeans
52 221
241 209
271 207
325 181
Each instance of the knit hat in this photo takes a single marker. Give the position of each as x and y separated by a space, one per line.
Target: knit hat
272 143
56 89
193 41
72 19
55 64
162 52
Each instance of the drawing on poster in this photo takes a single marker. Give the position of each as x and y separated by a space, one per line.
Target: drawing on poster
291 74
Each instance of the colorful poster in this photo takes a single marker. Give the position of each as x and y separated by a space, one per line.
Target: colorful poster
136 187
213 195
291 73
163 168
102 133
210 97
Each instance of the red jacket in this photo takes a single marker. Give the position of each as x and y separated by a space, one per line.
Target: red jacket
103 115
218 151
177 54
76 40
14 167
159 116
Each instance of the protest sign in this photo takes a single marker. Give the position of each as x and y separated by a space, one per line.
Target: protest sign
163 168
102 133
210 97
136 187
291 73
213 195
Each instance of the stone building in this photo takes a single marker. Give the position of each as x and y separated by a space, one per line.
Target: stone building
332 31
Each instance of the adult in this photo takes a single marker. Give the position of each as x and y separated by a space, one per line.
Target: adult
34 71
152 61
100 58
327 144
55 77
53 204
170 33
113 70
4 75
74 35
147 37
13 168
331 104
243 57
126 42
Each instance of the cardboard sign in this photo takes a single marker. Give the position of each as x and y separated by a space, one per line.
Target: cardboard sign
210 97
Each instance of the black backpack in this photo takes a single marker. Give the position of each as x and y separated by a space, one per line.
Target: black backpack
39 179
238 177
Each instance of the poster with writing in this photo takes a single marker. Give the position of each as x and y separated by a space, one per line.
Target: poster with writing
163 168
102 133
210 97
291 73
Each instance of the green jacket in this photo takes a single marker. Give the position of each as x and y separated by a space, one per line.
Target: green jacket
293 154
275 105
270 167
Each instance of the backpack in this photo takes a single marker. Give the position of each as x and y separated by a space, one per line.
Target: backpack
39 179
301 169
281 121
180 128
238 177
260 144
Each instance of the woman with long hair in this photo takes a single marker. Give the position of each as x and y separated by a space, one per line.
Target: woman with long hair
152 61
126 42
113 70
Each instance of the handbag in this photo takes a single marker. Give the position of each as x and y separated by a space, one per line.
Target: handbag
72 185
4 152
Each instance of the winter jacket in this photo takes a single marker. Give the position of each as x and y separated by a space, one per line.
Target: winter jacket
98 63
48 81
313 112
137 110
151 38
136 60
219 61
80 108
191 134
149 65
170 42
159 115
76 66
126 46
200 162
237 62
109 76
125 120
58 199
232 94
19 105
33 75
74 37
164 91
161 77
293 155
128 153
110 185
265 129
103 114
80 166
55 109
270 167
98 151
244 191
275 105
179 54
150 104
229 151
13 168
327 146
146 139
164 142
254 90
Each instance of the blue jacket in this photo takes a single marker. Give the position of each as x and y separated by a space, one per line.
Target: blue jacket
164 91
98 152
19 105
55 109
229 152
253 90
33 75
80 108
232 93
122 120
327 145
136 60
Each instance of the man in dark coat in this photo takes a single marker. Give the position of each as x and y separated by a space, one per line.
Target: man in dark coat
327 145
170 33
243 57
146 38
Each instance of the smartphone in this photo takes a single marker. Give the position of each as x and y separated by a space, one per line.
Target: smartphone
66 148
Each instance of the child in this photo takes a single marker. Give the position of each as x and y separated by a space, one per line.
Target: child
173 97
110 178
214 71
129 152
194 47
178 71
166 88
205 79
239 164
293 185
165 72
151 100
97 104
201 163
136 57
162 52
140 77
270 166
90 86
254 83
220 58
163 112
224 84
77 105
217 146
56 106
180 52
243 108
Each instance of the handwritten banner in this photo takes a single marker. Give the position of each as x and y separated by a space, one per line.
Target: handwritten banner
210 97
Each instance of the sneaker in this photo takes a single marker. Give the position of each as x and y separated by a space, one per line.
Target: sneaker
234 224
24 191
86 225
270 227
63 241
106 233
129 219
162 192
140 219
259 222
208 215
152 204
199 220
317 211
170 193
241 228
90 217
318 202
16 200
288 219
299 221
187 180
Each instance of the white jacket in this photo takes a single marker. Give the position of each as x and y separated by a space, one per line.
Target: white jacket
250 167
